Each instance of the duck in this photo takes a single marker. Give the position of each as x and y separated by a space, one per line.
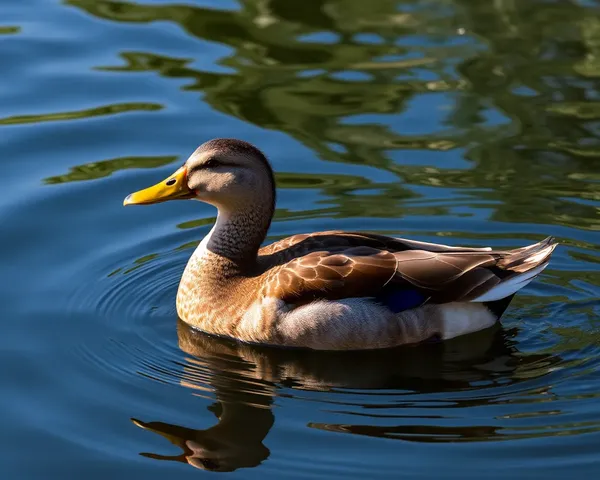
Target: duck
329 290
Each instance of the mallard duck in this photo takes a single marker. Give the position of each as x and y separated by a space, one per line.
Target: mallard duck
330 290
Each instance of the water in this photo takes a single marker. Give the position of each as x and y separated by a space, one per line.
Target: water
455 121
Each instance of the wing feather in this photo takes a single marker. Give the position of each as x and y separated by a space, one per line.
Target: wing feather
336 265
355 272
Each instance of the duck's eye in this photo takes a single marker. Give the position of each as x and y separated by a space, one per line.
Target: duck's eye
211 163
171 181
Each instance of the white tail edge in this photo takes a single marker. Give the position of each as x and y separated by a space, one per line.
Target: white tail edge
510 286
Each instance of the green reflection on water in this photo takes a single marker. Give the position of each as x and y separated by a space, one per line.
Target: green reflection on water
90 112
94 170
528 62
9 29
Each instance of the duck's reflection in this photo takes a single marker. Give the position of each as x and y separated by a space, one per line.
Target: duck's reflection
234 442
246 379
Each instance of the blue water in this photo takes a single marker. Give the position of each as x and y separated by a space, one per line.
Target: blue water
460 122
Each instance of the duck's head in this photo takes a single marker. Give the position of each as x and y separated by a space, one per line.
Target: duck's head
226 173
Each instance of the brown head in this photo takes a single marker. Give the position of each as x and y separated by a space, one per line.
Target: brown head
227 173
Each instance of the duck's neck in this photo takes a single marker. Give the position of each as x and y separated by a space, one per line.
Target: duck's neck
237 234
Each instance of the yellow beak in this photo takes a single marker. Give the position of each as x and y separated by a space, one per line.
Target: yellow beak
172 188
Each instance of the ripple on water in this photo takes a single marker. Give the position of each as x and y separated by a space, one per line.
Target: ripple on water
524 380
478 388
134 303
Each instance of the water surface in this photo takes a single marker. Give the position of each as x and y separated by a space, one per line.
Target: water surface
461 122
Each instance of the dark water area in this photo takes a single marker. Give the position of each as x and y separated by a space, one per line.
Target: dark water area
459 122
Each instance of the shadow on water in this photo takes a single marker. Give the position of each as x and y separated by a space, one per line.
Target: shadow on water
470 371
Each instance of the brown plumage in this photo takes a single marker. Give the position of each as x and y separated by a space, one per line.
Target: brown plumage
326 290
349 264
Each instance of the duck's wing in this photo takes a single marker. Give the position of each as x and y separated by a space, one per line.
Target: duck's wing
302 244
440 274
333 273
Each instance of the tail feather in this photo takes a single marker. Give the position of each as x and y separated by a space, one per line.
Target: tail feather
525 258
522 265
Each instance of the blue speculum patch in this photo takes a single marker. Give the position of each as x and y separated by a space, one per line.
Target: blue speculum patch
400 300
